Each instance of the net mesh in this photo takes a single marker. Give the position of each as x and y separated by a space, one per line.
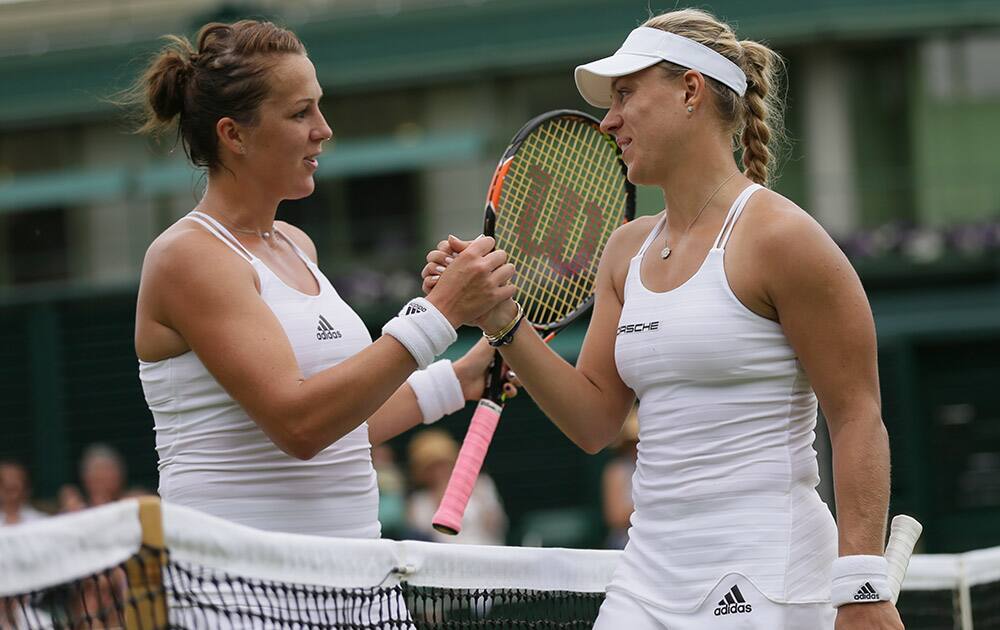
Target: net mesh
563 195
114 597
213 574
193 596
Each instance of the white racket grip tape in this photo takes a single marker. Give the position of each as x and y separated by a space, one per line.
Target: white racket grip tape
903 535
448 518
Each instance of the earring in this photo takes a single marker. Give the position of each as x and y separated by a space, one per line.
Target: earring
690 108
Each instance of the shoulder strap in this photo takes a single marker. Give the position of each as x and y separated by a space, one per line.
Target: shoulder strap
734 214
220 232
298 250
653 234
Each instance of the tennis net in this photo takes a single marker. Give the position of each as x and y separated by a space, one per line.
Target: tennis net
147 564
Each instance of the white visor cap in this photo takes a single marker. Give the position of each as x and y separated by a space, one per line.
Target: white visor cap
645 47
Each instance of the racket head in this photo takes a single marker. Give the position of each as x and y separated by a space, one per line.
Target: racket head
556 196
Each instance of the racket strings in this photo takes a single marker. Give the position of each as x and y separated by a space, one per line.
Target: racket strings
565 294
544 150
564 179
600 191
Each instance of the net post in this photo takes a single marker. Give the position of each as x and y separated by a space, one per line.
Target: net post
964 596
146 603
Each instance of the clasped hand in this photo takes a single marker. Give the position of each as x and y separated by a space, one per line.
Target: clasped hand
450 253
470 281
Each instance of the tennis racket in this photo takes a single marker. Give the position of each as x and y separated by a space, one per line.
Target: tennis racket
556 196
903 535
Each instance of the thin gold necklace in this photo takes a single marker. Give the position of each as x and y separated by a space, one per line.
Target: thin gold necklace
666 248
262 234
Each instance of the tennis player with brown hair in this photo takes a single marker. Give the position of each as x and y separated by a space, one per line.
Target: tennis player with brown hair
728 315
265 386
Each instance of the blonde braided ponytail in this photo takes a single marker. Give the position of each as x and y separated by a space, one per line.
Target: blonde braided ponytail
759 107
755 120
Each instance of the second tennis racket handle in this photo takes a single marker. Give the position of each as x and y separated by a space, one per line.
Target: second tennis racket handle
903 535
448 518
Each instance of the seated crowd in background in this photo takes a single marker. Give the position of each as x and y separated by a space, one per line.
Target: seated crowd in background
406 502
405 509
15 494
103 479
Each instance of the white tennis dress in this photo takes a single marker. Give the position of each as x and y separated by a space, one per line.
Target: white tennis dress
726 474
214 458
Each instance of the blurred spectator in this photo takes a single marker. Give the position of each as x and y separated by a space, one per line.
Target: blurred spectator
432 455
102 471
70 498
616 483
391 492
15 493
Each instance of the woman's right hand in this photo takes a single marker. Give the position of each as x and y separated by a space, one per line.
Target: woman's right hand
472 283
439 262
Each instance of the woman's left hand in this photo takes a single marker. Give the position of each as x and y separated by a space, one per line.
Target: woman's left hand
472 370
437 261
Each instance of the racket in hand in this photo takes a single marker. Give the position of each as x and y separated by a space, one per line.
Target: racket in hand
556 196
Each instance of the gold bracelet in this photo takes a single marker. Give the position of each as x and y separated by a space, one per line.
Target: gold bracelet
506 329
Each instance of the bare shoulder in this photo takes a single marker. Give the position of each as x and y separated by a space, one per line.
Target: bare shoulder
186 271
626 240
188 248
299 237
186 257
781 232
788 247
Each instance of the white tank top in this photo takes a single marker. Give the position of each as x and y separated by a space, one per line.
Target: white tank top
214 458
726 474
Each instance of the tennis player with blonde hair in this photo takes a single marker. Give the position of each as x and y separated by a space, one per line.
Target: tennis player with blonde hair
728 315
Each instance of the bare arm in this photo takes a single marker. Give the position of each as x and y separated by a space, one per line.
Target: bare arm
401 412
196 286
588 402
823 310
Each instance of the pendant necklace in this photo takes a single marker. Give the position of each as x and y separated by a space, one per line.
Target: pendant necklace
265 235
666 249
262 234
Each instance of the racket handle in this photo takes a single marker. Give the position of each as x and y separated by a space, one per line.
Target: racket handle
448 518
903 535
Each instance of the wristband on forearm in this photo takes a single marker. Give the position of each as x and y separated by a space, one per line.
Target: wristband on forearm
422 330
859 580
438 390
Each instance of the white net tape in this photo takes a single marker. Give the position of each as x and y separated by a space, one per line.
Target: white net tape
43 554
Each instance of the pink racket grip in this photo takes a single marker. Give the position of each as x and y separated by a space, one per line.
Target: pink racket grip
448 518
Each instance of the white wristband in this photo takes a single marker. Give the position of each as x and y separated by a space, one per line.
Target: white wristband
859 580
422 330
438 390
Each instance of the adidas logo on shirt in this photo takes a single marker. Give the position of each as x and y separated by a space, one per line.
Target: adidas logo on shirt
733 603
867 592
413 308
325 331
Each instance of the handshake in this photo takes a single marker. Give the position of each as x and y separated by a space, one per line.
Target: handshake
469 283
